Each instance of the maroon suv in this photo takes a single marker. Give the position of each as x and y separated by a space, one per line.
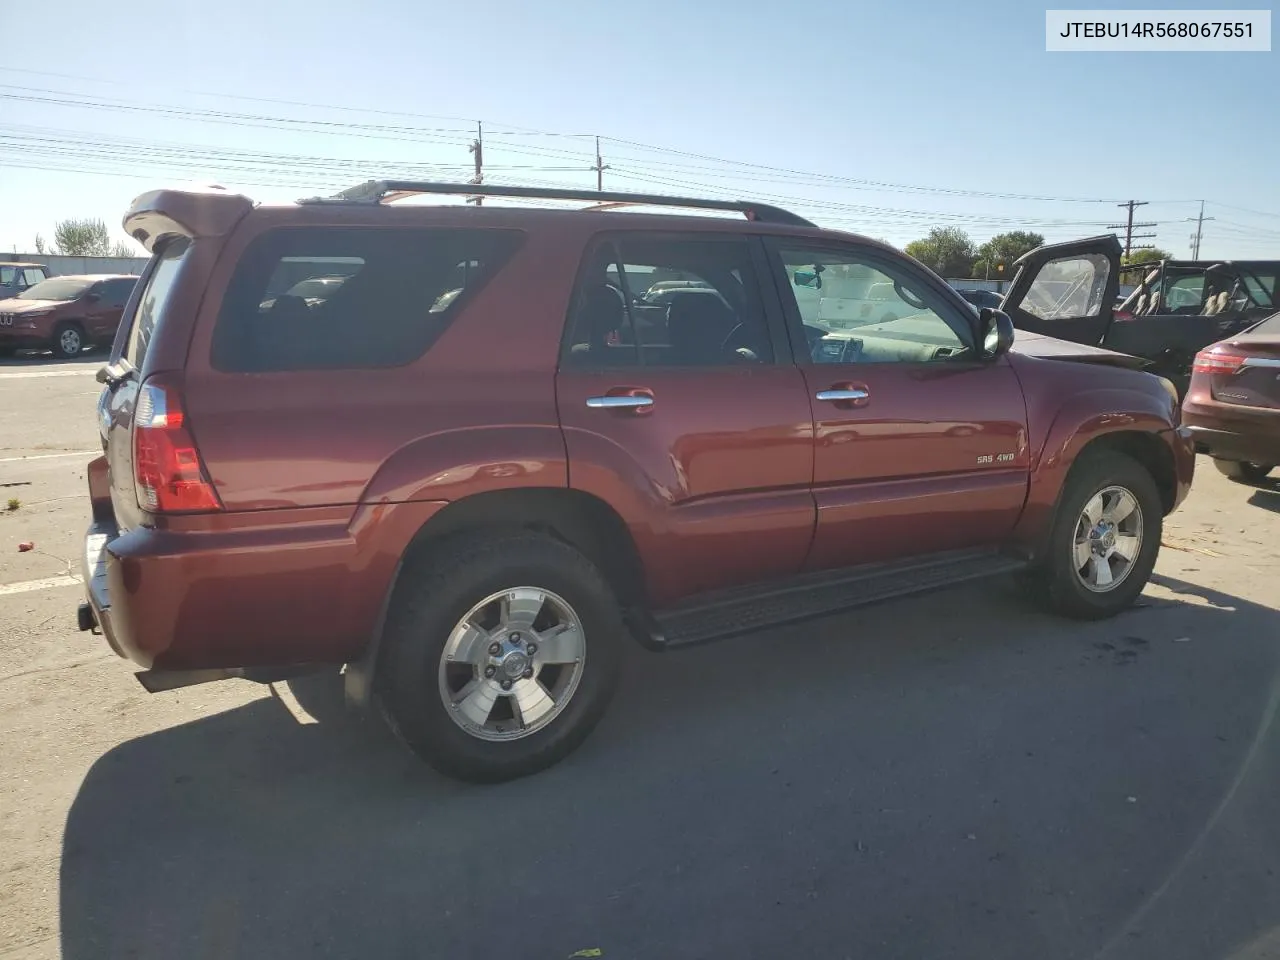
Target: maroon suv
495 443
64 314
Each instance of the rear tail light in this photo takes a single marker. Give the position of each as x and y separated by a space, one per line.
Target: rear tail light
167 471
1207 361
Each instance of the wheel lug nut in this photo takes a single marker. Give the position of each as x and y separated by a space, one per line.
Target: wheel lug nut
528 673
533 648
490 670
515 638
495 648
506 684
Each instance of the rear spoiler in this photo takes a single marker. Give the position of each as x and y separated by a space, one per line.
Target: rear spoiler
188 212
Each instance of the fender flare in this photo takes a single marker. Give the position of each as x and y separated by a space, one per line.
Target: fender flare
1082 419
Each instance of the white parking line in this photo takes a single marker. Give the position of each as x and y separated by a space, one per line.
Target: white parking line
45 583
33 374
51 456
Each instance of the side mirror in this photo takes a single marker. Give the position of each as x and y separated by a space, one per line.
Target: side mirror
997 332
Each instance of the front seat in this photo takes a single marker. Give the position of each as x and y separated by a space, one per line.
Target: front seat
698 326
601 314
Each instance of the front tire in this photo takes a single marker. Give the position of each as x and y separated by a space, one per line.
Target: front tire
68 340
1105 538
1252 474
500 654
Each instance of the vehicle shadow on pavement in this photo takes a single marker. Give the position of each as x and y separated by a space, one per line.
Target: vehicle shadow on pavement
956 774
1267 498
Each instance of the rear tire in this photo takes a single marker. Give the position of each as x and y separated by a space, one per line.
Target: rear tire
1085 574
429 661
68 340
1251 474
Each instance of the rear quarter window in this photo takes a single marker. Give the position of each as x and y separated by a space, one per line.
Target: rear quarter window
333 298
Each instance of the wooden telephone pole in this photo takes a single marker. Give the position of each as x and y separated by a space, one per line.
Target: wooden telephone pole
1129 226
477 148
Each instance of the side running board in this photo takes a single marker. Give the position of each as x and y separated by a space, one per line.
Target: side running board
759 607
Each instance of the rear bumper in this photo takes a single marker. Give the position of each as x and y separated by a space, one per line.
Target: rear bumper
1249 434
273 590
1225 445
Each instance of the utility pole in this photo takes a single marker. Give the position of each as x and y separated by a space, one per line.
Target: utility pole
477 148
599 168
1128 227
1198 235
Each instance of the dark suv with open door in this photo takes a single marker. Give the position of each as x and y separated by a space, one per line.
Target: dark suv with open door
487 458
1069 291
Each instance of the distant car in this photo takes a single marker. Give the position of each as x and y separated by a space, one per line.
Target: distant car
982 298
1232 408
64 314
16 277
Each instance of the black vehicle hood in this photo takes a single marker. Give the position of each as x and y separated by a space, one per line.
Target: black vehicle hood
1038 345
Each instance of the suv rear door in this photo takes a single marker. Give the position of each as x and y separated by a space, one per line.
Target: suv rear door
1066 290
683 409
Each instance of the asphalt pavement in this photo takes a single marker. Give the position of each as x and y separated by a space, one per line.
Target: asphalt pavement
957 776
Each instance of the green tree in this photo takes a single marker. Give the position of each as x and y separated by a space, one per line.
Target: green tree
1150 255
947 251
1004 248
86 238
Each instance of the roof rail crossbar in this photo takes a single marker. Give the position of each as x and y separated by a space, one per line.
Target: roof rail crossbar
384 191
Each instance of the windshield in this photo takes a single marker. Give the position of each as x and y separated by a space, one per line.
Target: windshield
57 288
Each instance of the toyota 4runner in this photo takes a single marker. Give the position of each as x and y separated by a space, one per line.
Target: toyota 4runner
491 445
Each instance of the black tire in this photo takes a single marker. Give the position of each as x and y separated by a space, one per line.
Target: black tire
1251 474
61 342
1055 580
435 593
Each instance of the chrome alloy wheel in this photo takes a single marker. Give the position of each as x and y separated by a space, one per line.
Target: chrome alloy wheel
512 664
70 341
1108 538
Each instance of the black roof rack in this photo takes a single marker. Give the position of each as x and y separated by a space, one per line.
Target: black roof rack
386 191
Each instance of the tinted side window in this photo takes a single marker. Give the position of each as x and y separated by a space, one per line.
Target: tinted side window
151 305
330 298
32 276
8 275
115 293
649 301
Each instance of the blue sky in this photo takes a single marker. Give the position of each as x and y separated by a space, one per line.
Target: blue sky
944 103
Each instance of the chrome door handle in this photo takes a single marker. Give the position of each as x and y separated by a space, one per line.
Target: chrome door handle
842 395
619 403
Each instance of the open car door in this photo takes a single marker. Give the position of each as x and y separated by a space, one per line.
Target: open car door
1067 290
